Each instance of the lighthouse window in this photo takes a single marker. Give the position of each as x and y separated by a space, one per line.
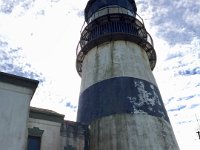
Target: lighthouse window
112 9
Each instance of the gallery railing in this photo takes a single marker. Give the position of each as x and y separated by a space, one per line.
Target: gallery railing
114 27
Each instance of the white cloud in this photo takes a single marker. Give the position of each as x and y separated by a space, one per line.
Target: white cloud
192 18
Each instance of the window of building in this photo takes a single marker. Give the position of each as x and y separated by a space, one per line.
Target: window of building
34 138
34 143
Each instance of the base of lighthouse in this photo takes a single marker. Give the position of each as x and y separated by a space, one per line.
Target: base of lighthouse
132 132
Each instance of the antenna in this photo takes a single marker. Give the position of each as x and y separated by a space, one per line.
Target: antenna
198 132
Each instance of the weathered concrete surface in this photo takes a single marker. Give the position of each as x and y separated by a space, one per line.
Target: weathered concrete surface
132 132
55 133
74 136
115 59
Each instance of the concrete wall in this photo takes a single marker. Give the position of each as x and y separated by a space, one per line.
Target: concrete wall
15 98
132 132
74 136
56 135
51 138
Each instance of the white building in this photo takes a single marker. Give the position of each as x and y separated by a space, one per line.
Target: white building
23 127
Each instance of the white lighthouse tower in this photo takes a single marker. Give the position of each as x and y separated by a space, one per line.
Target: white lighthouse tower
119 98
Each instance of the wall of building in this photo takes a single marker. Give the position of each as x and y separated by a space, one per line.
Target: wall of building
51 138
20 122
54 132
74 136
15 96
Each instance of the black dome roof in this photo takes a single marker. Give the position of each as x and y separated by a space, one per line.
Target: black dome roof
94 5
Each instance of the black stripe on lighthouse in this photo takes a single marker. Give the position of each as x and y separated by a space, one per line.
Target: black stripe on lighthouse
120 95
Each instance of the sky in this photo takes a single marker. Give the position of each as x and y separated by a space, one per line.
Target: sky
38 40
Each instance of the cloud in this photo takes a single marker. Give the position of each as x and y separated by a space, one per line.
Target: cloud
184 122
182 59
8 6
197 85
169 101
80 13
176 54
70 105
12 61
178 108
186 98
40 12
176 21
194 105
190 71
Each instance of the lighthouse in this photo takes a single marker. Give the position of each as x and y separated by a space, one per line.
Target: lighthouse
119 98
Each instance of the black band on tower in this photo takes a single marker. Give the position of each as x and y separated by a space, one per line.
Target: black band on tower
120 95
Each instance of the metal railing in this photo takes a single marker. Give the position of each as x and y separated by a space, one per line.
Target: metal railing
113 9
117 27
93 31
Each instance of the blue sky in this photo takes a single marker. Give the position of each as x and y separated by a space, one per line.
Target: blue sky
38 40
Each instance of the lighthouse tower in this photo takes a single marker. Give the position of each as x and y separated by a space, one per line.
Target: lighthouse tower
119 98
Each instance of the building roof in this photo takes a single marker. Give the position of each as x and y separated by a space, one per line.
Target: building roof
46 111
45 114
19 81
